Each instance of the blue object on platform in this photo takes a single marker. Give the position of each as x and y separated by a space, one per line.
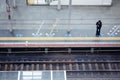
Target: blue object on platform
101 35
112 35
68 35
18 35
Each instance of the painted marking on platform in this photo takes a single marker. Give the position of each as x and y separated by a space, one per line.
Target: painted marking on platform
38 31
53 28
114 31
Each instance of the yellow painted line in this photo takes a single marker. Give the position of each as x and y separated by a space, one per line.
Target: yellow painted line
60 38
54 26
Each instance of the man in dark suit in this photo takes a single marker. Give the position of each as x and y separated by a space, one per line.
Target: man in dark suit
99 25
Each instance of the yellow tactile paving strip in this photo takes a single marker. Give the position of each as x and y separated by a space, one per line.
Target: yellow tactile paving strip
60 38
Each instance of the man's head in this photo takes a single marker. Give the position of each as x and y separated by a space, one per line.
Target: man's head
99 20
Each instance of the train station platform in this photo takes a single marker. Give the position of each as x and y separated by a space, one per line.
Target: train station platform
45 26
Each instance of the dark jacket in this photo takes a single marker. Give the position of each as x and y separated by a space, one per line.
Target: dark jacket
99 24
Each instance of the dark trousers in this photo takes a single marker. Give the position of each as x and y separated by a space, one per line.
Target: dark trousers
98 32
9 17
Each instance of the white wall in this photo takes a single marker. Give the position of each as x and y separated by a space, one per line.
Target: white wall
84 2
107 2
39 2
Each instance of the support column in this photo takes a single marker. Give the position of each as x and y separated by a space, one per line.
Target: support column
59 5
14 4
69 19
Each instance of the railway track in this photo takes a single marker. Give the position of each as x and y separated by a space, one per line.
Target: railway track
82 66
75 69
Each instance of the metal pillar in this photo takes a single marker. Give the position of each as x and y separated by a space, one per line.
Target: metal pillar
46 50
9 50
70 3
14 4
11 27
92 50
69 16
59 5
48 2
69 50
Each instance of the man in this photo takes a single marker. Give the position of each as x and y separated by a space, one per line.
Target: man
99 25
8 11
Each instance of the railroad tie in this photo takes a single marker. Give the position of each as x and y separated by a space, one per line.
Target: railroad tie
103 66
64 67
22 67
11 67
41 66
73 66
27 67
76 67
70 66
57 67
96 65
51 67
90 66
33 67
109 66
38 67
83 66
16 67
116 66
6 67
44 66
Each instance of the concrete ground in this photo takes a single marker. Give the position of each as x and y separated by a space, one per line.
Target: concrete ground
42 21
27 20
